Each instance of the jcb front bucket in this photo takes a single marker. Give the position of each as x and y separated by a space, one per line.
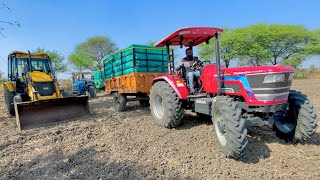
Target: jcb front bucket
47 112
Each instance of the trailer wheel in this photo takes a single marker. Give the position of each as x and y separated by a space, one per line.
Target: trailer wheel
166 107
92 91
298 122
119 101
8 96
144 103
229 127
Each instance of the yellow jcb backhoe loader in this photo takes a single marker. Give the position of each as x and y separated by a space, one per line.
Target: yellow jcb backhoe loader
33 94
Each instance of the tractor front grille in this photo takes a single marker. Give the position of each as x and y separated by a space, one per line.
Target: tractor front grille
45 88
269 91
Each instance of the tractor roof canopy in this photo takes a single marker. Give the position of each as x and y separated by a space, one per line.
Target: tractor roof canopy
189 37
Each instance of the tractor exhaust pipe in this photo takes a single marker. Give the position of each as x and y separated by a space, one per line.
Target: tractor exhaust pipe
217 49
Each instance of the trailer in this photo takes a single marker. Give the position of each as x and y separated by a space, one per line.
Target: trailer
99 79
129 73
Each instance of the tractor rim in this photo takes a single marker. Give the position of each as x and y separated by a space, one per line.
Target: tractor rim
219 128
158 106
288 122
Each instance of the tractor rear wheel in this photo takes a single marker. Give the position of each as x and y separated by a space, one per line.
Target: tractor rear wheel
229 127
8 96
166 107
299 121
119 101
92 91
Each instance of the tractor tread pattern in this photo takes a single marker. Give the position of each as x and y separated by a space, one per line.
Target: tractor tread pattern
307 121
236 132
175 111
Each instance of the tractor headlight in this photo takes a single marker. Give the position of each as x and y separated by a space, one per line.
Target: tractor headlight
272 78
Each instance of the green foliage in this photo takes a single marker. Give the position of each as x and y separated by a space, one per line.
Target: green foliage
151 43
81 61
89 54
295 61
228 48
261 44
56 59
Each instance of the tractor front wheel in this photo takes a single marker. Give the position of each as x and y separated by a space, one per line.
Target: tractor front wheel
166 107
120 102
299 121
229 127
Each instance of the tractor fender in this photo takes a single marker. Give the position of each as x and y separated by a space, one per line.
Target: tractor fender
9 85
176 83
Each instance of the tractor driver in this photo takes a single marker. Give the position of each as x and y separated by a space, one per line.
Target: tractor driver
187 62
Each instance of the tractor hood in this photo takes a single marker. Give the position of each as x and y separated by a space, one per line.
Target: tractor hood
38 76
256 70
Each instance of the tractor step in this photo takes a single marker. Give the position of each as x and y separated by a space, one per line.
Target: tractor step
193 97
203 105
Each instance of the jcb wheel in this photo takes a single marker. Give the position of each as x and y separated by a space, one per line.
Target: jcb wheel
9 101
166 107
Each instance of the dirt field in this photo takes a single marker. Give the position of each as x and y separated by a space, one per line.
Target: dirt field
129 145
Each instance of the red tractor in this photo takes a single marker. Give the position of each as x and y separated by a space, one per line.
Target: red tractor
235 98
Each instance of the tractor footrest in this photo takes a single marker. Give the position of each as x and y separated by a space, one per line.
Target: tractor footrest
203 105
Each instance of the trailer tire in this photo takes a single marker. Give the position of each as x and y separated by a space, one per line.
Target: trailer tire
166 107
299 122
119 101
92 91
8 96
229 127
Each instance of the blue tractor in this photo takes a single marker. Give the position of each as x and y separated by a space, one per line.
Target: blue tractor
83 84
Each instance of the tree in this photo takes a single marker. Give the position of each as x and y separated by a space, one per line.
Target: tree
261 44
228 48
287 41
81 61
294 61
56 59
89 54
151 43
5 23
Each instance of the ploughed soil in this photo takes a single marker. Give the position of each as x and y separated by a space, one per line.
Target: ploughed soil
129 145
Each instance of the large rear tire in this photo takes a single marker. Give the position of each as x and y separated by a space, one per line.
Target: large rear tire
166 107
120 102
92 91
8 96
299 121
229 127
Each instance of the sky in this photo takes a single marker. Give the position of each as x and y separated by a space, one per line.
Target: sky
62 24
